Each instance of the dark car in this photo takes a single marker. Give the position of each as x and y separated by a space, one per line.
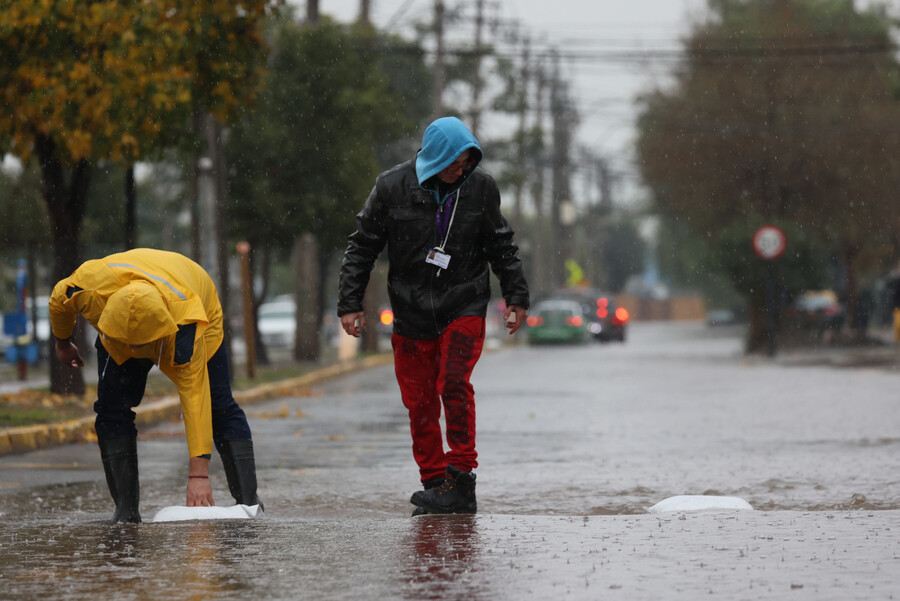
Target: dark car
605 320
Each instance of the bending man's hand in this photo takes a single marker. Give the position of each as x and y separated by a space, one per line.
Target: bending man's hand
67 353
350 325
521 316
199 490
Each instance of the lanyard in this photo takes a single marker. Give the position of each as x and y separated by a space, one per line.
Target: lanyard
440 220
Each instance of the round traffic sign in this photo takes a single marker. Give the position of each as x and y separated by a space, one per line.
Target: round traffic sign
769 242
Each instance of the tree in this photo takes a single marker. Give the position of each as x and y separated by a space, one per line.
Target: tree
623 251
304 159
106 80
783 112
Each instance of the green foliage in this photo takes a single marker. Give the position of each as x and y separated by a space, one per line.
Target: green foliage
303 159
783 112
624 252
23 216
799 268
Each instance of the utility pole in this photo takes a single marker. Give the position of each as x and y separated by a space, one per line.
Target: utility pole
477 83
562 217
541 233
364 10
522 149
312 12
557 194
437 93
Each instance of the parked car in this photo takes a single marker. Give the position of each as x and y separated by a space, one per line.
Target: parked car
43 319
277 322
817 310
721 317
556 321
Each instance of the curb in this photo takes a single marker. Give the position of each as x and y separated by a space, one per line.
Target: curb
24 439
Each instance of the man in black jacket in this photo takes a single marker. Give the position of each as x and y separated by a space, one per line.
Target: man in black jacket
440 219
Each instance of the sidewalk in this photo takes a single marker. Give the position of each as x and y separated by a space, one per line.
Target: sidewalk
24 439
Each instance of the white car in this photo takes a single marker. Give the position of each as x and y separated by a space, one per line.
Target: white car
278 322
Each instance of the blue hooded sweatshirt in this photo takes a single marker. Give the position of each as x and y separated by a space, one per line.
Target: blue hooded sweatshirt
444 140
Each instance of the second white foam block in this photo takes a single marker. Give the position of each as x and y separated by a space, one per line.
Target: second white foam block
181 513
699 503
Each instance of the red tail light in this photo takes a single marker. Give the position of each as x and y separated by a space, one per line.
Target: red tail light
387 317
602 302
534 320
574 320
602 313
620 316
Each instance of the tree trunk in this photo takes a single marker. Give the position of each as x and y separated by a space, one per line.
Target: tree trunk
309 312
852 312
194 187
757 334
215 145
130 208
65 206
262 353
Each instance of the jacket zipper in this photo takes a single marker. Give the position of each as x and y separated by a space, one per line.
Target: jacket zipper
435 239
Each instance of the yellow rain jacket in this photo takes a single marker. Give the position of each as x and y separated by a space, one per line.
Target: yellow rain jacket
137 300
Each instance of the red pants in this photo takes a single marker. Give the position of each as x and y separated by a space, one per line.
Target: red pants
435 371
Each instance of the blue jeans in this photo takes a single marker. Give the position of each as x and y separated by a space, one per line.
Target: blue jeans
120 388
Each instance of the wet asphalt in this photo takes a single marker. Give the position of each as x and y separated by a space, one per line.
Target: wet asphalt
575 444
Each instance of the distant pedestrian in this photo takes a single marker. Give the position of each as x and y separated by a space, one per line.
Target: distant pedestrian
156 307
440 218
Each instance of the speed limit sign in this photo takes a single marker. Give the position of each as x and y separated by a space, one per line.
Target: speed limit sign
769 242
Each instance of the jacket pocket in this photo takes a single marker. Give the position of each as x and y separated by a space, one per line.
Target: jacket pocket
410 228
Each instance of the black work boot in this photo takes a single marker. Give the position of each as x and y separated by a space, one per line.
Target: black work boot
120 463
240 470
455 495
427 485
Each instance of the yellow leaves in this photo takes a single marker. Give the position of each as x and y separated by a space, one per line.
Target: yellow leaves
78 142
104 78
80 71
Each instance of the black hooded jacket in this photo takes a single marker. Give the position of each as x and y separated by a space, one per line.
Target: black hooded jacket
401 214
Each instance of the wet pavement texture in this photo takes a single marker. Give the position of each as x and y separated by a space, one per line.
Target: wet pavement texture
574 443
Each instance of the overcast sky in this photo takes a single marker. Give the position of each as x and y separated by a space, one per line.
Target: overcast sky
611 38
609 35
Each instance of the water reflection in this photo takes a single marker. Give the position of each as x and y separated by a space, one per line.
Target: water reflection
189 560
444 558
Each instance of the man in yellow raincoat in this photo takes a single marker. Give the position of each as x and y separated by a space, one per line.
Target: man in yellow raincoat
156 307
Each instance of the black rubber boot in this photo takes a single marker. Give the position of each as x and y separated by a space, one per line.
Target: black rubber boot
427 485
240 470
455 495
120 463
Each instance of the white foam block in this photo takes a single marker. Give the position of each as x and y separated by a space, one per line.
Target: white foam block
699 503
181 513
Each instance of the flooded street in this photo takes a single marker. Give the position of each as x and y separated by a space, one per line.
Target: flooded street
575 443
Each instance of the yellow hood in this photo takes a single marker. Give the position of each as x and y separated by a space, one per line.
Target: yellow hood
136 314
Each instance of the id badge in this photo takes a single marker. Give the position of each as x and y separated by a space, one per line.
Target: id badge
436 257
